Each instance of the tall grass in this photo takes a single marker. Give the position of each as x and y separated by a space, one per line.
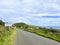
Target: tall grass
45 32
7 35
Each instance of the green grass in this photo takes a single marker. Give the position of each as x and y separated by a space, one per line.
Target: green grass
55 36
45 32
7 35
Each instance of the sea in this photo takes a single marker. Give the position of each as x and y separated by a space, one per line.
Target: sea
54 27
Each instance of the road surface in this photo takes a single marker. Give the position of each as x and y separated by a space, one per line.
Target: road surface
26 38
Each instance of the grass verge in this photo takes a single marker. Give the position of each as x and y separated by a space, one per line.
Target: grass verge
7 35
55 37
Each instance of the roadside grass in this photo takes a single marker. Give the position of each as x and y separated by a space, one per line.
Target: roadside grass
54 36
7 35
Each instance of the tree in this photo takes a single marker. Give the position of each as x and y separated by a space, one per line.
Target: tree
2 23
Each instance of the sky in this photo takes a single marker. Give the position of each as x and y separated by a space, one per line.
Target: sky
36 12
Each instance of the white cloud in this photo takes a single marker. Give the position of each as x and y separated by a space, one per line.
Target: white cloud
55 6
27 1
9 2
21 19
29 10
55 22
46 21
8 10
46 14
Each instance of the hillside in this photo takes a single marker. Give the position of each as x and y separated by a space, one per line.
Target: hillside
45 32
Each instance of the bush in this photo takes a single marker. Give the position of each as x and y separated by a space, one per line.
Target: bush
7 36
2 23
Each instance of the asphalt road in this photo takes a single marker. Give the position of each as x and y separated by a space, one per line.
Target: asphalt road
26 38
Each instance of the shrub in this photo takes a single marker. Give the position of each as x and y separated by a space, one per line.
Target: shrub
7 35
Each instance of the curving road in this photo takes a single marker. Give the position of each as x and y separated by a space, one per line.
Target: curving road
26 38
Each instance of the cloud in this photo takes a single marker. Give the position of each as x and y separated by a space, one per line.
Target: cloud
32 7
42 6
46 14
8 10
55 22
9 2
21 19
51 16
46 21
39 12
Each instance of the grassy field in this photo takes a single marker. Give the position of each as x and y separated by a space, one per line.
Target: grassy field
7 35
